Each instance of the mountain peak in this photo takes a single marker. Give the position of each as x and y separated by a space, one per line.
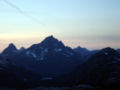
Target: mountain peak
108 51
21 49
51 41
11 48
50 38
11 45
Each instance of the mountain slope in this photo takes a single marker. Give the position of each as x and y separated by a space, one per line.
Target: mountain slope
54 58
11 49
101 70
13 76
50 57
84 53
118 50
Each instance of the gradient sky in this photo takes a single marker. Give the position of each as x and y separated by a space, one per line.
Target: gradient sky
89 23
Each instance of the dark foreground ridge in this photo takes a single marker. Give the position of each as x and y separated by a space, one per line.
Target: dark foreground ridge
51 63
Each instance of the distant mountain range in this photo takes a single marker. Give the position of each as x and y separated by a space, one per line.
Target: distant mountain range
101 69
49 58
52 63
84 53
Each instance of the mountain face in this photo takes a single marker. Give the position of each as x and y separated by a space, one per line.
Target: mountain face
101 69
118 50
49 58
54 58
48 48
52 63
13 76
11 49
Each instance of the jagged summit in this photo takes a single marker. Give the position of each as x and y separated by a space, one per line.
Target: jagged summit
51 41
108 50
10 49
12 46
50 38
49 47
106 55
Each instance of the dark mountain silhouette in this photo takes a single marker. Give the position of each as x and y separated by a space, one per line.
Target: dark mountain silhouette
102 70
51 63
13 76
11 49
81 50
118 50
50 57
22 49
84 53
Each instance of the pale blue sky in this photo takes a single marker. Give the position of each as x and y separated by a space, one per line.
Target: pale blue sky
89 23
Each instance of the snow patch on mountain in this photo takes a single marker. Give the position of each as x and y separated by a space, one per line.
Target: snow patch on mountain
105 53
42 55
46 50
31 54
28 52
58 49
34 55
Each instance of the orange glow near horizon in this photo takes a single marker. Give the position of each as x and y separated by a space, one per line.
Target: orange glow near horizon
68 41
